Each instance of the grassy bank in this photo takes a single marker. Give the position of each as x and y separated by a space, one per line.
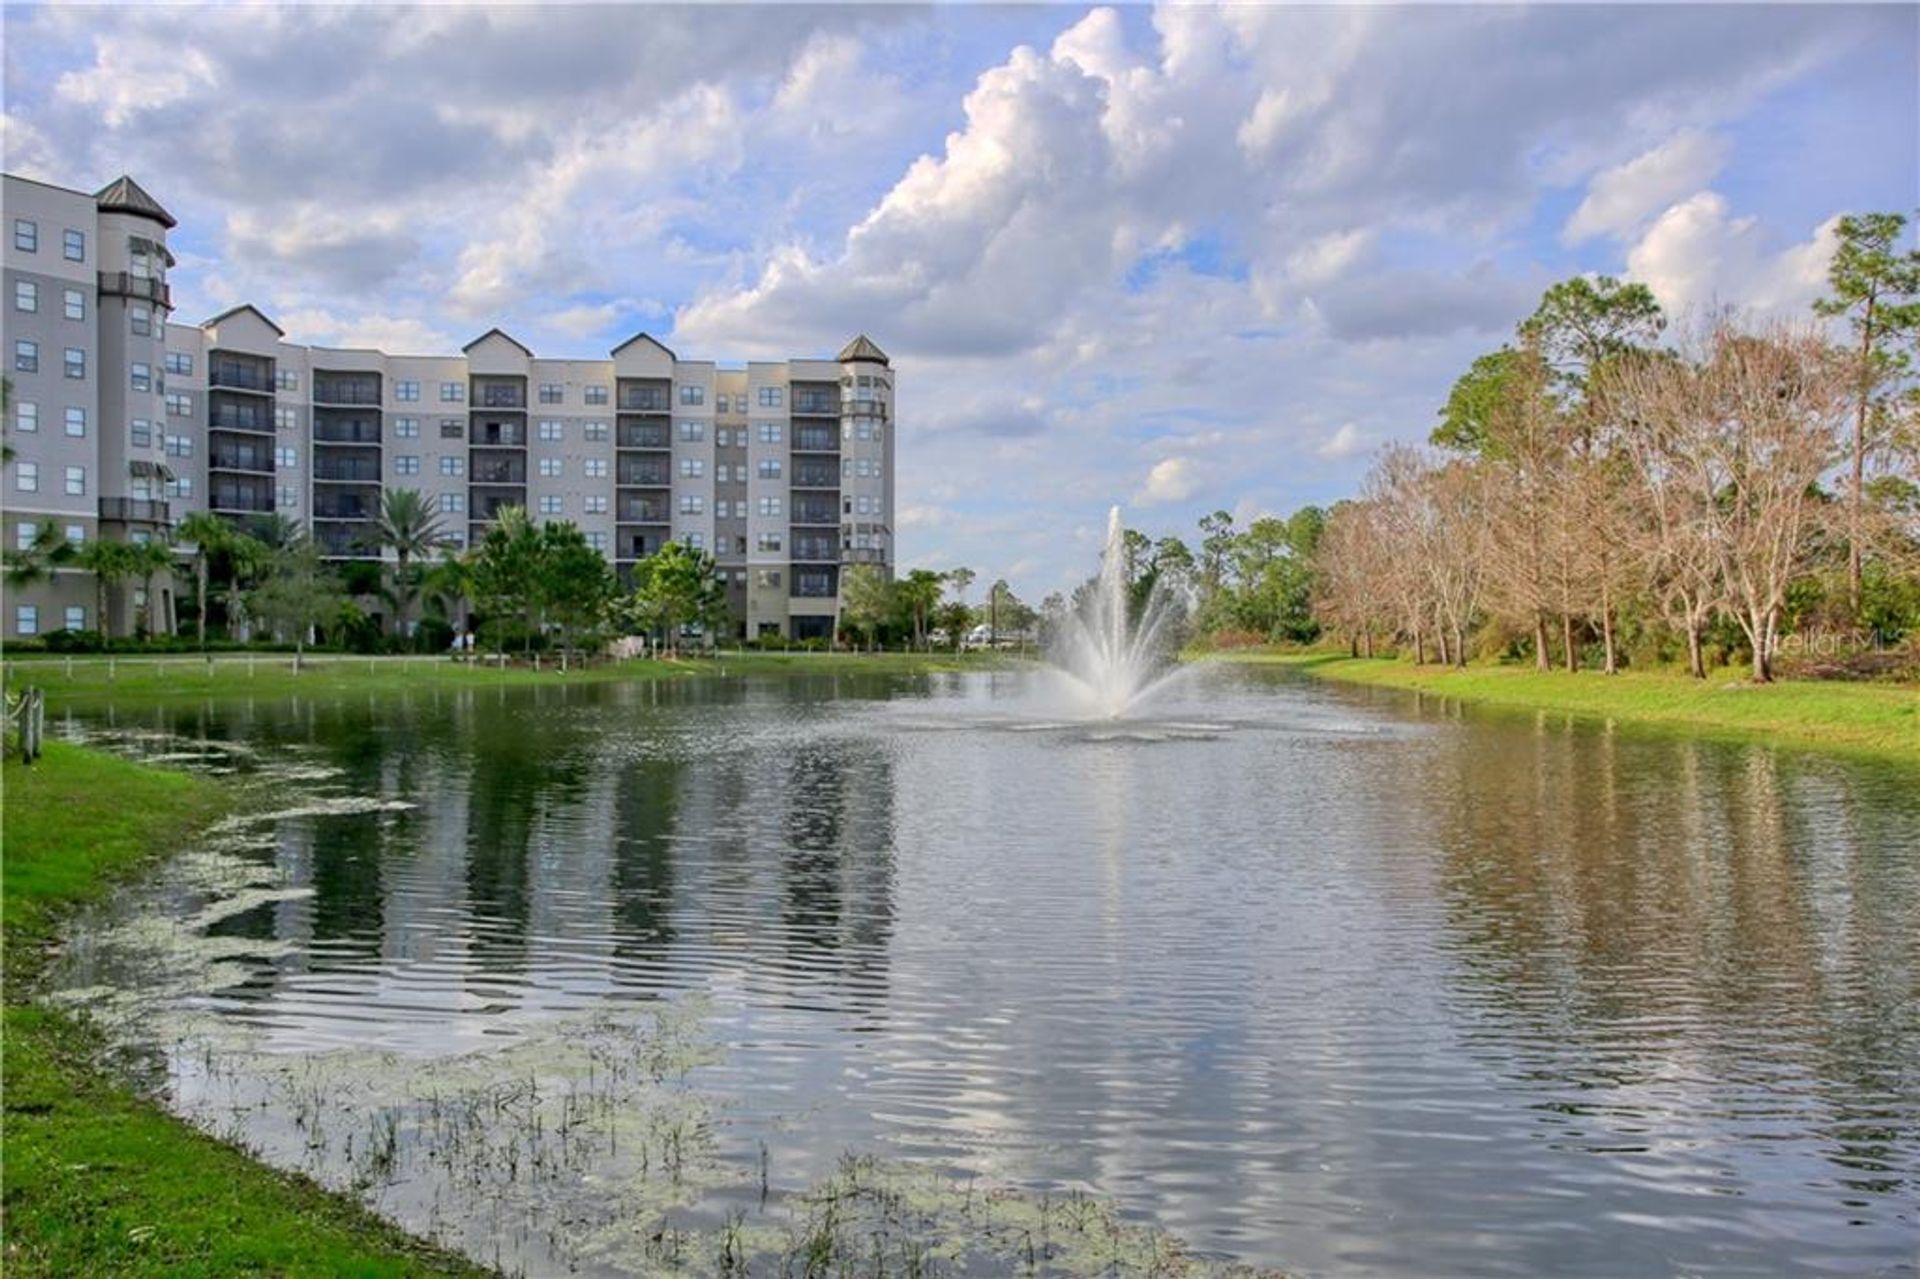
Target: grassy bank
143 680
1866 719
99 1180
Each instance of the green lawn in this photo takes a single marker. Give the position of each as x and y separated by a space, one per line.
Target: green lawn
133 679
98 1180
1881 720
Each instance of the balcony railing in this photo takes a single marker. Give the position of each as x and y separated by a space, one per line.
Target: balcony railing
342 507
239 503
346 471
231 417
817 405
815 513
499 435
644 435
499 470
239 377
128 285
133 510
222 458
334 431
815 440
816 477
636 546
813 586
862 555
500 397
643 476
816 550
488 507
632 511
328 391
645 400
851 407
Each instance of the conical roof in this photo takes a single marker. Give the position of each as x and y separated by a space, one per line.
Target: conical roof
123 195
862 348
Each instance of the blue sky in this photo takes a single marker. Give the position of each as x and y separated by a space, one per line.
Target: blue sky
1180 258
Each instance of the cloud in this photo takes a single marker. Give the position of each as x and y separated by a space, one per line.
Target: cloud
1172 479
1348 441
1619 200
1697 256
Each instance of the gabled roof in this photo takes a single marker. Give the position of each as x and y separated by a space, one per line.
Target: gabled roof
123 195
644 337
502 334
230 312
862 348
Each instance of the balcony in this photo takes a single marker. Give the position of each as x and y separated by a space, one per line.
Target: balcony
813 584
234 417
487 506
862 555
330 470
125 284
816 550
498 435
343 506
636 510
816 404
816 439
851 407
644 435
349 391
637 473
637 546
343 543
498 470
810 475
239 377
230 457
815 513
500 397
134 510
240 502
331 430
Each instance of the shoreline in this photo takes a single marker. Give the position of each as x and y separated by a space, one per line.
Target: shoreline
99 1177
1877 721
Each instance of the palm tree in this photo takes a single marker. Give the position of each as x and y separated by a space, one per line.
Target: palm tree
207 533
149 559
450 582
275 531
35 561
411 528
110 563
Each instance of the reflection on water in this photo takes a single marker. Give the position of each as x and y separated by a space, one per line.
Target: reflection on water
1326 979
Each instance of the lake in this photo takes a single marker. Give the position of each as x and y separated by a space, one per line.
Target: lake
691 976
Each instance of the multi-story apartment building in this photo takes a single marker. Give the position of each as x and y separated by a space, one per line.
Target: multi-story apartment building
122 422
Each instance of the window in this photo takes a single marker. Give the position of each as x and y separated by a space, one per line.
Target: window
407 391
693 467
695 541
693 395
180 404
722 509
73 246
26 296
26 235
26 619
24 532
452 393
693 504
550 467
770 397
552 393
76 481
138 317
550 430
551 505
453 466
76 535
406 428
142 433
286 379
286 459
286 497
26 477
74 362
769 506
595 505
769 469
181 486
597 540
452 428
596 468
26 417
142 376
26 356
452 503
863 505
287 419
693 432
76 617
769 542
596 395
594 432
769 432
406 464
720 403
179 362
76 422
177 445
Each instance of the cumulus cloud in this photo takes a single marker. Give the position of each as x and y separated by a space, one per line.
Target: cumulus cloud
1620 199
1698 255
1348 441
1172 479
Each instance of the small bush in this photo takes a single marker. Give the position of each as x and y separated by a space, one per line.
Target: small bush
74 642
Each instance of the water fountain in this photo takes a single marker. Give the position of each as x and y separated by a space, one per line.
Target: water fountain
1109 663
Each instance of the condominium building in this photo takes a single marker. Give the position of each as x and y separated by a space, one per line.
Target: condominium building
122 422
